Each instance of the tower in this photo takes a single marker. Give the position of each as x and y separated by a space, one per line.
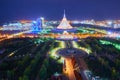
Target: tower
42 22
37 25
64 24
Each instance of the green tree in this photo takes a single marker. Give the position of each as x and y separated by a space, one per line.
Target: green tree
10 75
46 62
20 78
114 73
43 73
117 62
25 77
27 71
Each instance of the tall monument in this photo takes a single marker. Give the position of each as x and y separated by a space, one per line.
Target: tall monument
64 24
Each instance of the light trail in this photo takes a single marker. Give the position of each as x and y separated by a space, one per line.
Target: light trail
117 46
69 69
53 52
16 34
98 30
75 45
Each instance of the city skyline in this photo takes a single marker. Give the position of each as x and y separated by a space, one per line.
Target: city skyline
43 49
59 40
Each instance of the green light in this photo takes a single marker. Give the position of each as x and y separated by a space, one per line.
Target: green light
82 48
110 43
53 52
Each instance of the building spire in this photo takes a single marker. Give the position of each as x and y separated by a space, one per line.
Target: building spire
64 24
64 14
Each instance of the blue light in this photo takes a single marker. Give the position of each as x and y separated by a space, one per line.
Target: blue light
34 22
36 25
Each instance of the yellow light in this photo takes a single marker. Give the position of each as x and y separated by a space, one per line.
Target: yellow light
75 45
11 54
53 52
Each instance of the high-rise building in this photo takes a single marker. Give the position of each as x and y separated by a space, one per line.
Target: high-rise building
37 25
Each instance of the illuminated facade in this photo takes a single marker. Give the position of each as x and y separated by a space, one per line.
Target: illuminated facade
37 25
64 24
17 26
24 25
67 36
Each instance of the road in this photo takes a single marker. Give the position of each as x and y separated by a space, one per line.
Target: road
69 69
67 53
13 35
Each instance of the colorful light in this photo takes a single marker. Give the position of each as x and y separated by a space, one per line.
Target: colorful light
75 45
110 43
53 52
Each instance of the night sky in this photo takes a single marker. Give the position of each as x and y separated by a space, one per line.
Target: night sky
11 10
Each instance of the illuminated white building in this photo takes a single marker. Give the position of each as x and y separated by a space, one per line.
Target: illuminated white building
64 24
66 35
